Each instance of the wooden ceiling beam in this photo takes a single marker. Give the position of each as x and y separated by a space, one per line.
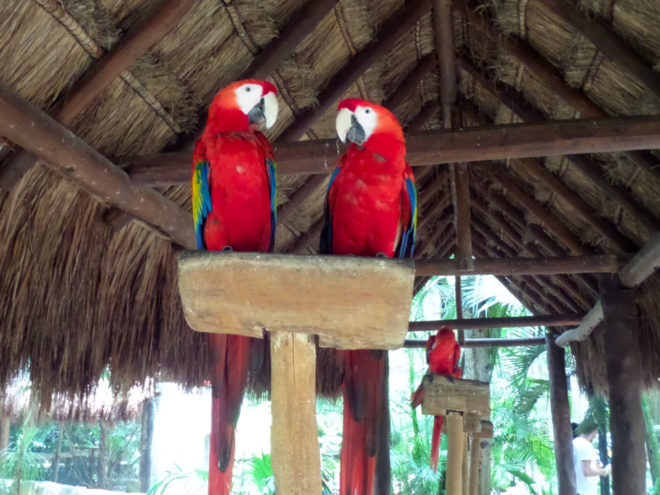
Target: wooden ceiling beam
515 102
441 230
303 242
137 41
557 320
410 84
428 111
496 142
599 263
602 37
399 24
37 132
545 72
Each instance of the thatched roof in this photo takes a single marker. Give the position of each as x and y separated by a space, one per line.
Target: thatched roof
82 286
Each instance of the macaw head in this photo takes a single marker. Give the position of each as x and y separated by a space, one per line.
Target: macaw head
244 103
370 126
445 334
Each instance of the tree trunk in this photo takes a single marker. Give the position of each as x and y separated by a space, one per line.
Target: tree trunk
5 424
58 453
651 445
146 438
605 459
477 366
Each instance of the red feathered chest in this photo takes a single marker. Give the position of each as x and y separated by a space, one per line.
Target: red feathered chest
365 204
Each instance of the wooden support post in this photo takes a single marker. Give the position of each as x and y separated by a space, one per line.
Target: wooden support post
475 460
455 446
466 472
459 307
624 376
296 465
561 418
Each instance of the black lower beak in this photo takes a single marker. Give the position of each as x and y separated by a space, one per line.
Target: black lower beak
356 133
256 115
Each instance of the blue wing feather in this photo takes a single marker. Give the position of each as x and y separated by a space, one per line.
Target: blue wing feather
201 199
272 181
408 237
326 233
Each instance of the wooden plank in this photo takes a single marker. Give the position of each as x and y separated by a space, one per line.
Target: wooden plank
349 302
643 264
295 451
624 377
124 54
40 134
602 36
443 394
496 142
561 418
497 342
399 24
486 430
596 263
554 320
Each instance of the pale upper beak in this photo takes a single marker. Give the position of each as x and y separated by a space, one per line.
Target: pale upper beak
349 128
265 110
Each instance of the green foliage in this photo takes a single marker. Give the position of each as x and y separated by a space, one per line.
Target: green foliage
178 475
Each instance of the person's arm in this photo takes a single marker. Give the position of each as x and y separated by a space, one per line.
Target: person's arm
594 468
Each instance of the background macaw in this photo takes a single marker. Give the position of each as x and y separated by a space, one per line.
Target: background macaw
371 210
233 197
442 354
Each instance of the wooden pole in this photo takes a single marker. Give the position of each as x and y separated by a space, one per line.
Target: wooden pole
561 418
495 342
624 376
466 467
296 465
455 447
474 144
556 320
475 460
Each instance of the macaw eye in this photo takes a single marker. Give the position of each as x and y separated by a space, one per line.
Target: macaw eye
367 111
248 89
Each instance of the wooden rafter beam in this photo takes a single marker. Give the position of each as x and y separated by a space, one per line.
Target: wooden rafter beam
401 22
517 342
411 83
473 144
555 320
124 54
631 275
599 263
603 38
549 75
515 102
55 145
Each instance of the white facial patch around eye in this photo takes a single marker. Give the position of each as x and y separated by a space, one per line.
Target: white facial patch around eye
247 96
368 119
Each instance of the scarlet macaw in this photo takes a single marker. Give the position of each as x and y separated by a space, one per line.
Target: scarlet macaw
442 354
371 210
233 197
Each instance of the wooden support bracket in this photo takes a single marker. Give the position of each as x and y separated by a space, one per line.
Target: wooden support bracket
442 395
348 302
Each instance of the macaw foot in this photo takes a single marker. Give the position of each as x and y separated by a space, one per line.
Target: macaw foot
227 249
449 377
381 255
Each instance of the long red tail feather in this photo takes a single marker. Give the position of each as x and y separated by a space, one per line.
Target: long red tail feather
363 396
228 380
435 443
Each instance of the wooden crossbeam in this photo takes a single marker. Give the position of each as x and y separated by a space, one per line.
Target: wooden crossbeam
598 263
554 320
401 22
517 342
603 38
474 144
549 75
58 147
136 42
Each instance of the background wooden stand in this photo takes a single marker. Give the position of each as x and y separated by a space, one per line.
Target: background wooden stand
464 403
347 302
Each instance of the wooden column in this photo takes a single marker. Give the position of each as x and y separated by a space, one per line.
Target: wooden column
296 465
561 418
466 472
475 458
454 453
622 359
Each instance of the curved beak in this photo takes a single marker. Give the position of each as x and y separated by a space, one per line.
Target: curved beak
265 111
349 128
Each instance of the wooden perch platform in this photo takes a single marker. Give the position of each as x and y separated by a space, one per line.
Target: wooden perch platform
349 302
442 395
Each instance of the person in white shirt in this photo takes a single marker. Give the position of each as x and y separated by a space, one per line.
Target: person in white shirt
587 465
